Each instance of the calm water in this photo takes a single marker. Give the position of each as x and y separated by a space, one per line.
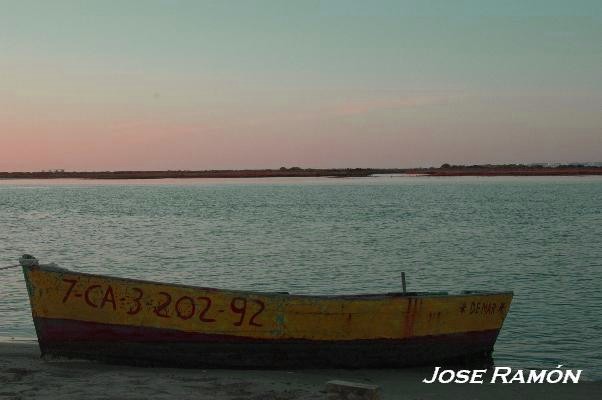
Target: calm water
541 237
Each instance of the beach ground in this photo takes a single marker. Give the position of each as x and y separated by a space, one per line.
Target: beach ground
24 375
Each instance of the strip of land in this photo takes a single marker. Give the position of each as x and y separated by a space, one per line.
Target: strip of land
24 375
444 170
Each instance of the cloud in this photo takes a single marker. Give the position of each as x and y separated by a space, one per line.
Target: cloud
358 107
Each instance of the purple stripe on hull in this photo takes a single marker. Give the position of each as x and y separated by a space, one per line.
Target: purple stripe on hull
152 346
58 330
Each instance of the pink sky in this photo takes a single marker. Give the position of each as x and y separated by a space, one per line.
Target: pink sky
383 133
366 131
185 85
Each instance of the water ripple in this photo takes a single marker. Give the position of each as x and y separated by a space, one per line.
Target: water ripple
541 237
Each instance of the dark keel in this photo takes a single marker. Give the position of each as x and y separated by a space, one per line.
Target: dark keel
153 347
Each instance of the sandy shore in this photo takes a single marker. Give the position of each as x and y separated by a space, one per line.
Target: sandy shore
24 375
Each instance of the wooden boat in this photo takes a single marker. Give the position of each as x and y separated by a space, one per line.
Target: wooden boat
80 315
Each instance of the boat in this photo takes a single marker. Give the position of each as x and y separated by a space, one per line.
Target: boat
138 322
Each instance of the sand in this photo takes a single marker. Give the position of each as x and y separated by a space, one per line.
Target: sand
24 375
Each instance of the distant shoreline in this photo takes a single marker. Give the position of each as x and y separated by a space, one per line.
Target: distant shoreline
443 171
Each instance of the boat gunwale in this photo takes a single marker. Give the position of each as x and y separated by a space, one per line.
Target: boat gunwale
368 296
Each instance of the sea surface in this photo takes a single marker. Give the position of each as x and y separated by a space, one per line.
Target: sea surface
538 236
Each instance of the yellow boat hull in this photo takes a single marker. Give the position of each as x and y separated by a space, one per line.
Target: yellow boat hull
133 321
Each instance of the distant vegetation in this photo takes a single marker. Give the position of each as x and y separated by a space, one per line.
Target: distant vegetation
250 173
444 170
513 169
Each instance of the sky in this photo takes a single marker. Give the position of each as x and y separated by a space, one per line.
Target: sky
157 85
